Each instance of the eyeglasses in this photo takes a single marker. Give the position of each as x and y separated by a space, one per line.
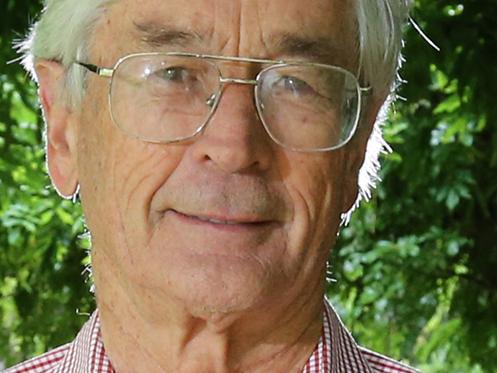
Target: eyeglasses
170 97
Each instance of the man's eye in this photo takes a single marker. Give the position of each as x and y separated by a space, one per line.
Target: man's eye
174 74
294 85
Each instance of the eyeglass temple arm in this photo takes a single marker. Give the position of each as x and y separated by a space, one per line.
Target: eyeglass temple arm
100 71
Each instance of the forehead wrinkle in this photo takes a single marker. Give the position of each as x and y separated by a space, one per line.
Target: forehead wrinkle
164 35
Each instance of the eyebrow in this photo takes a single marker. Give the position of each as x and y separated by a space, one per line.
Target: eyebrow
158 36
284 44
318 48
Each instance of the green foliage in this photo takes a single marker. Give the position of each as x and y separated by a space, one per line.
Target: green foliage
415 269
41 257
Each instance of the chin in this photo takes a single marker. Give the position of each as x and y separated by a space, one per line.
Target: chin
224 286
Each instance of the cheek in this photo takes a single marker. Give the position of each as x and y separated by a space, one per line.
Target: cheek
317 193
118 178
136 172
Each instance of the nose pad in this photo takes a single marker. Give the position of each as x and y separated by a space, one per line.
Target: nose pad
211 100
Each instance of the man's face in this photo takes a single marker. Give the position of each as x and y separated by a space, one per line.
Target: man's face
230 220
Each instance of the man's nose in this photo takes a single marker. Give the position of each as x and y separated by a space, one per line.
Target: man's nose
235 139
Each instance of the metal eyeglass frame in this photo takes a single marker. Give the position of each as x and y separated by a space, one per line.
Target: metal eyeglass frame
109 73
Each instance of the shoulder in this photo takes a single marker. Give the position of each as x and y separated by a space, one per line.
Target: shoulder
84 354
350 356
42 364
383 364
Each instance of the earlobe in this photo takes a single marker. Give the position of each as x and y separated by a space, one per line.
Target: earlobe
61 133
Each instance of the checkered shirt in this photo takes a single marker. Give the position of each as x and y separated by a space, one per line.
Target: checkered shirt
336 352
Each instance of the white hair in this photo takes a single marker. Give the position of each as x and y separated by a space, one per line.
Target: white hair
65 30
63 33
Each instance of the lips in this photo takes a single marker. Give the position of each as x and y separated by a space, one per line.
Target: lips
222 220
216 221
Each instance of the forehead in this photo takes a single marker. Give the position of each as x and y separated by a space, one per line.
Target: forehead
314 29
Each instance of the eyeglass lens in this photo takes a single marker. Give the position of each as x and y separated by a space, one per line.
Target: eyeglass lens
165 98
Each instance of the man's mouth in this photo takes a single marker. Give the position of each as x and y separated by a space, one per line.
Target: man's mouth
216 221
222 220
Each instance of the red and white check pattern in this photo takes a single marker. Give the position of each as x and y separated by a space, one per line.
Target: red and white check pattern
336 352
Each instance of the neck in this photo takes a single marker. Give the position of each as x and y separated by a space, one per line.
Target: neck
155 334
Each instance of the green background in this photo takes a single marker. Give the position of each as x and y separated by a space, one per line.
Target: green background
416 270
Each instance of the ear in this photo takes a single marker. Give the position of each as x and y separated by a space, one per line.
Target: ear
355 150
61 128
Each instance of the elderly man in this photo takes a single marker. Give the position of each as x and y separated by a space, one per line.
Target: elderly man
215 145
